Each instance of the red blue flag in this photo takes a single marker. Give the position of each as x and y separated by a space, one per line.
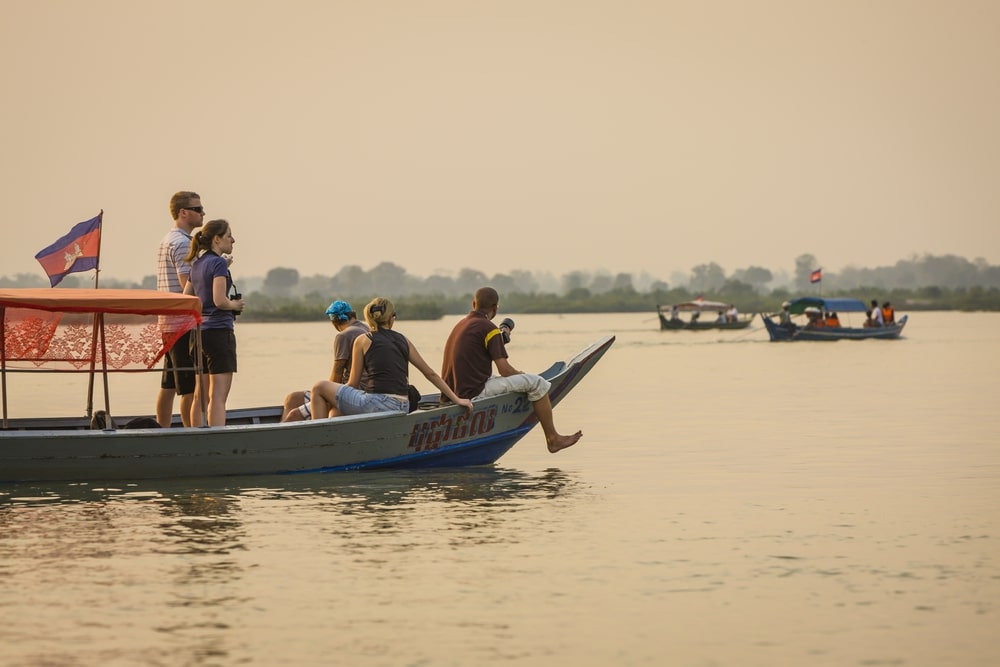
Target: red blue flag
816 276
77 251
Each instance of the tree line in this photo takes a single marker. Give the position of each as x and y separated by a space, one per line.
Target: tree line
921 283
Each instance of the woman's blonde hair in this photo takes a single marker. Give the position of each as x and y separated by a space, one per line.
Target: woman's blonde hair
379 312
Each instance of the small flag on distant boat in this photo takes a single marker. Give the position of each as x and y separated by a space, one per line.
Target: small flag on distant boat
79 250
816 276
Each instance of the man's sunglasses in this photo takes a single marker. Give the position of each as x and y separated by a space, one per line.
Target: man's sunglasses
196 209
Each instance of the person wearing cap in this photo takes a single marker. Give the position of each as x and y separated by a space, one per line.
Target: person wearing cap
786 316
348 326
815 318
386 355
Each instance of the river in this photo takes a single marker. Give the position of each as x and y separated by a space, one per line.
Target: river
733 502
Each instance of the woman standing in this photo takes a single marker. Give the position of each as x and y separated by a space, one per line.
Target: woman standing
211 282
384 355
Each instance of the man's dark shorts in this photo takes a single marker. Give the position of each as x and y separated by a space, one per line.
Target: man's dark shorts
218 348
179 356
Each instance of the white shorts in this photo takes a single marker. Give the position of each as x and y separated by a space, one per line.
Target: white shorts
535 386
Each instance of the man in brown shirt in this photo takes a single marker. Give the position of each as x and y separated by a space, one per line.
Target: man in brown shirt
474 346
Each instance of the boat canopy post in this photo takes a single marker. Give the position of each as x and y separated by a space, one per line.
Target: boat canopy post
104 367
3 360
98 322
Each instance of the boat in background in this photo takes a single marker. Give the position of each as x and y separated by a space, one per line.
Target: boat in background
101 331
806 319
670 316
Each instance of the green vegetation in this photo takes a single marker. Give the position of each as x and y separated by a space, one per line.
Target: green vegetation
271 309
920 283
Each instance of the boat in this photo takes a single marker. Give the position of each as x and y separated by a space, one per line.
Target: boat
102 331
671 316
802 310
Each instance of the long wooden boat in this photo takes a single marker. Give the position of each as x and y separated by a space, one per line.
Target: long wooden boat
52 329
797 327
671 316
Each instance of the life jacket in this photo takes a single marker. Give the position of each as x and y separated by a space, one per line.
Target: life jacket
888 314
832 322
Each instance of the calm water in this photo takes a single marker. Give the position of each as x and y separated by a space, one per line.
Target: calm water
733 502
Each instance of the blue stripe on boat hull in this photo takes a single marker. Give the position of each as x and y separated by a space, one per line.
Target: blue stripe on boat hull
483 451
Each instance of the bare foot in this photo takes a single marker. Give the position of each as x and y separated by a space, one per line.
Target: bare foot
563 441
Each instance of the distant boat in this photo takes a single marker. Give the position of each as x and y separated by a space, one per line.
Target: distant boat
806 319
671 316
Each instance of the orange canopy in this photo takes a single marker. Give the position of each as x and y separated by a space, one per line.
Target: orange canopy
56 327
134 301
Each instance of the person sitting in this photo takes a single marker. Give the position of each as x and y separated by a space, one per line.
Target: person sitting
875 316
785 316
695 315
888 314
721 319
675 314
474 346
385 355
344 319
815 321
832 320
732 314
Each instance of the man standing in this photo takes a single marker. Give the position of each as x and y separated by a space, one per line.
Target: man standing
172 272
345 321
474 346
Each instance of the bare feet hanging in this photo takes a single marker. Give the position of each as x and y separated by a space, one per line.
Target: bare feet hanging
563 441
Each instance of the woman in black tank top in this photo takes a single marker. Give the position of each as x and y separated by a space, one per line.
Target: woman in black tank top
385 355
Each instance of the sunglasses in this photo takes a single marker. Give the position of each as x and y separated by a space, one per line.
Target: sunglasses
196 209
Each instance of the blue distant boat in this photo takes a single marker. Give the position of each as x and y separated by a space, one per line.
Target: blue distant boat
810 317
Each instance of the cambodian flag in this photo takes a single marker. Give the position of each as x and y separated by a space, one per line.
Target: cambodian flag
816 276
77 251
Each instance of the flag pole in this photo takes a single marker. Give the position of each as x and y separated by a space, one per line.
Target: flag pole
100 238
98 325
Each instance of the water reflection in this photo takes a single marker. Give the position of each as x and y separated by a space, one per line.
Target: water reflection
193 554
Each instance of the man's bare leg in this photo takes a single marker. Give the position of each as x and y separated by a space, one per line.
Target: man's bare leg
187 400
553 439
165 407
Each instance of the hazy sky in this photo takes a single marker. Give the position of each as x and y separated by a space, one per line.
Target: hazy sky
541 135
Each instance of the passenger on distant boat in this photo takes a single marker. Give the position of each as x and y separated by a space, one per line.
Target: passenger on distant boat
888 314
815 319
832 320
675 314
732 314
874 316
786 316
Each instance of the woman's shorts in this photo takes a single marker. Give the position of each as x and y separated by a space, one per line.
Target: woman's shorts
351 401
218 347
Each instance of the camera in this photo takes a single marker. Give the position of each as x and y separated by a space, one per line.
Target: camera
234 297
505 328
